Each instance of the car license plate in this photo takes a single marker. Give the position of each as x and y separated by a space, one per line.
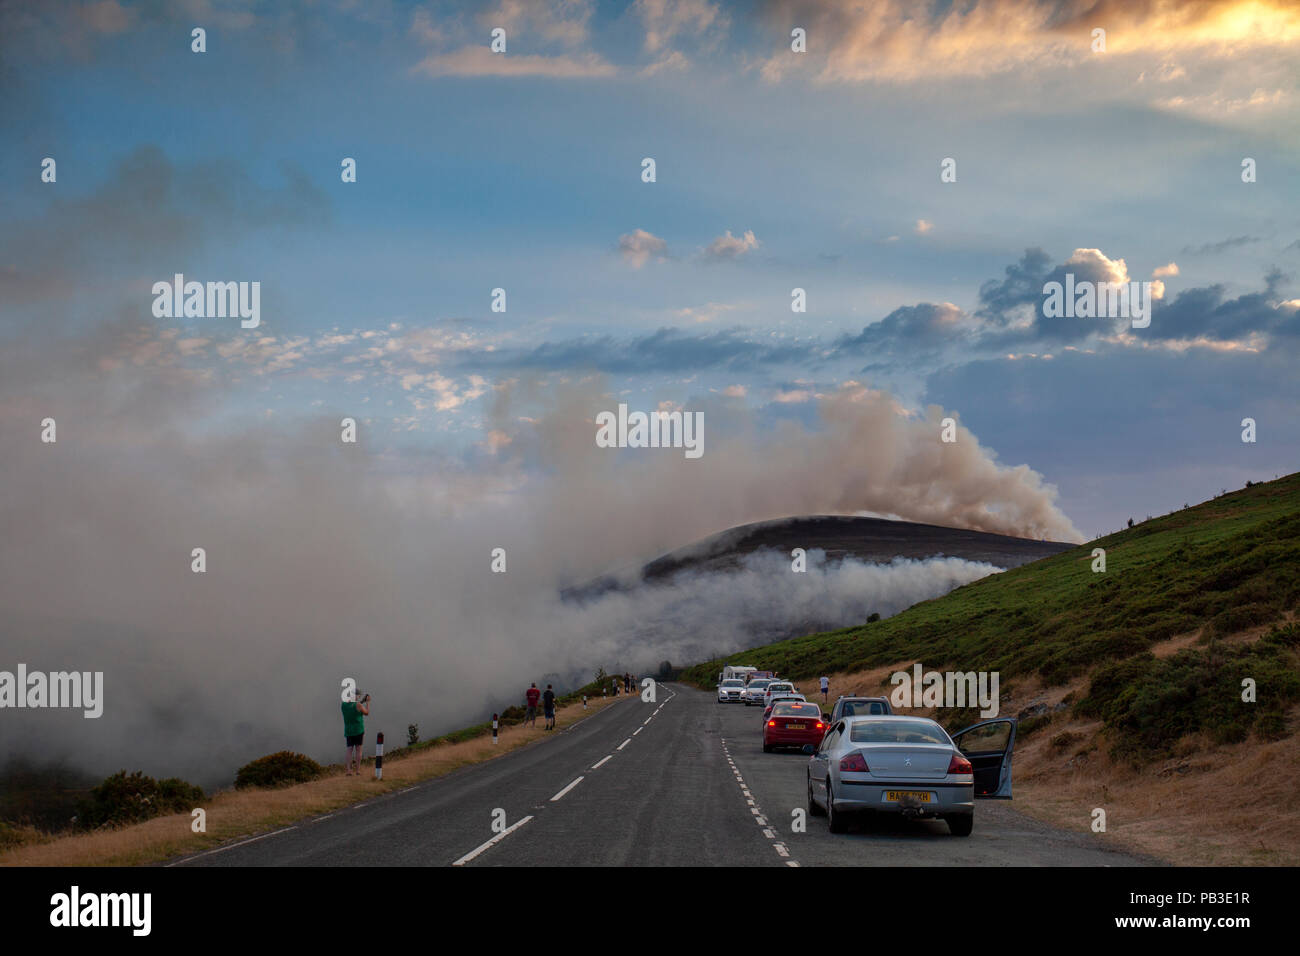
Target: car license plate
895 796
794 726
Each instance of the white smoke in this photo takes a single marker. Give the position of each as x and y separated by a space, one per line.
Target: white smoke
327 561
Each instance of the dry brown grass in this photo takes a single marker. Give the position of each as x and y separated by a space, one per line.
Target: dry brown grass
233 814
1208 804
1247 636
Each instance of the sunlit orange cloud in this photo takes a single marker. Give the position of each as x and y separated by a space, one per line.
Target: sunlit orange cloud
898 40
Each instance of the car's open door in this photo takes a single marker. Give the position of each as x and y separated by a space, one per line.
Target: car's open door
988 745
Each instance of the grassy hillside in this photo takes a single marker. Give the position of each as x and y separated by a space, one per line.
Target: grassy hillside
1226 572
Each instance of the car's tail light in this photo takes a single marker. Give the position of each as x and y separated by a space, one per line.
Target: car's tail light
854 763
959 764
820 725
771 723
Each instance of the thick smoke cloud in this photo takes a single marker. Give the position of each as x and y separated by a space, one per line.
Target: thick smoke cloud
328 561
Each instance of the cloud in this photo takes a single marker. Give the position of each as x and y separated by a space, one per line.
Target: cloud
667 20
480 61
1214 248
675 60
925 323
544 38
1165 271
107 16
923 226
561 22
896 40
1209 313
638 247
149 211
728 246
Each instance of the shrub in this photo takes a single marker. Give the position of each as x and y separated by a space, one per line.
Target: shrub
130 798
14 835
278 769
412 735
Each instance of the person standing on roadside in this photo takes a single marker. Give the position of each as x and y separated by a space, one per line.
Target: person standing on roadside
532 695
354 731
826 688
548 705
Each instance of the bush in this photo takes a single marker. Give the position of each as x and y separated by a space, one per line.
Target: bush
412 735
13 835
278 769
131 798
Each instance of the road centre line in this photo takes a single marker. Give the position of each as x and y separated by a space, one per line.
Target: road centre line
601 761
566 789
495 840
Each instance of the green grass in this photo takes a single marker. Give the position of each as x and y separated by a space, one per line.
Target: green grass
1217 568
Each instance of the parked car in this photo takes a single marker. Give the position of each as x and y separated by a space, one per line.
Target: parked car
793 723
729 690
777 687
909 766
859 707
753 693
778 698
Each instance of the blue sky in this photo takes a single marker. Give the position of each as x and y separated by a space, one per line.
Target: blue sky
522 170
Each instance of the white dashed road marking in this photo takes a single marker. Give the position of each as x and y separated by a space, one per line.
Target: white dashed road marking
495 840
781 849
566 789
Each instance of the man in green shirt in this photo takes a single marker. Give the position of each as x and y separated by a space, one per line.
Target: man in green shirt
354 729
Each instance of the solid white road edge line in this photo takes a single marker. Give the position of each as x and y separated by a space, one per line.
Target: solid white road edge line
222 849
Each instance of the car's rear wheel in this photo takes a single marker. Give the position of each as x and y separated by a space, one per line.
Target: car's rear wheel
835 821
960 824
814 808
767 748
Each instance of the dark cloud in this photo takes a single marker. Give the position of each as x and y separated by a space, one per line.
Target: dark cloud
148 212
664 350
1208 312
1214 248
1021 285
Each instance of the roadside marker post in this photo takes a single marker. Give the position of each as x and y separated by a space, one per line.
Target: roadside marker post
584 701
494 728
379 756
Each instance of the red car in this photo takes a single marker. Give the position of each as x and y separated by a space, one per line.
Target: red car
793 723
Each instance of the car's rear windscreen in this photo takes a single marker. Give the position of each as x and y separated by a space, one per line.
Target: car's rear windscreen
898 732
795 709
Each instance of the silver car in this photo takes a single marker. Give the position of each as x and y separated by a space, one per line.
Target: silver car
753 693
730 690
909 766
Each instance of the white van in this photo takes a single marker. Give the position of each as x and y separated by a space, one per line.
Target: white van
735 671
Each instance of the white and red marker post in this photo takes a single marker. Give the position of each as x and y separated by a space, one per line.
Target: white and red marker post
379 756
494 728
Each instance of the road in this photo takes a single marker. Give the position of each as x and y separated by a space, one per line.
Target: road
681 781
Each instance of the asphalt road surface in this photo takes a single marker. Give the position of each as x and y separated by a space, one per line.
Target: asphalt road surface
682 781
